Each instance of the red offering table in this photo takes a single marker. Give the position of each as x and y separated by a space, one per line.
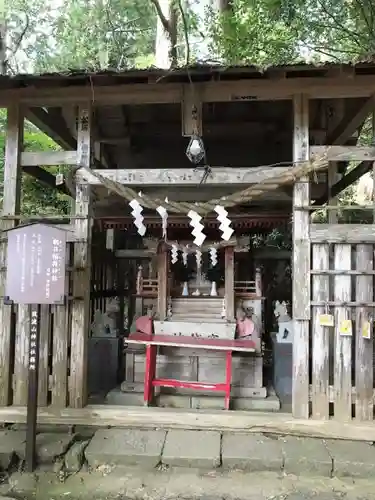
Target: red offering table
153 341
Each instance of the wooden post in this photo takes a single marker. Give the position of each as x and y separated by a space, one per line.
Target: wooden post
11 206
333 175
258 282
301 263
162 282
191 108
61 327
82 269
343 342
320 335
364 371
229 283
44 343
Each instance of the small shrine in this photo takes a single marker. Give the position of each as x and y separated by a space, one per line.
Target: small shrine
210 291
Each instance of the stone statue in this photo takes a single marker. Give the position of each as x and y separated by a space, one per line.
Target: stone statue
248 324
285 330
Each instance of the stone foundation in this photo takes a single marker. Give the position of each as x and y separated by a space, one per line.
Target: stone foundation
66 453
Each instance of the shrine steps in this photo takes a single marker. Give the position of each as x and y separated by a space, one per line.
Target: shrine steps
196 400
197 318
201 303
193 314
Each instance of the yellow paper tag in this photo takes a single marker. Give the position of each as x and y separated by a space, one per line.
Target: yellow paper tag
326 320
366 330
346 327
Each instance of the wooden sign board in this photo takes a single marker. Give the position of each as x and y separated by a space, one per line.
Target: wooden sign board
36 265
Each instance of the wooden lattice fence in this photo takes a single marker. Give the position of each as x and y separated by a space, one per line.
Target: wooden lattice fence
341 360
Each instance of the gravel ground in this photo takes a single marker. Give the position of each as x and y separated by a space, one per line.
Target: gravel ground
184 484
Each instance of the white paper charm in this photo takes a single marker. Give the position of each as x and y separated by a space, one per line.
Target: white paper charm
185 256
225 223
197 232
198 257
138 217
174 254
213 256
164 219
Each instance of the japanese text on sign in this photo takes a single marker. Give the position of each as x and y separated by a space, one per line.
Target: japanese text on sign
33 340
36 265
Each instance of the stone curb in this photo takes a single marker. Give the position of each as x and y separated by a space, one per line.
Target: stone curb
198 449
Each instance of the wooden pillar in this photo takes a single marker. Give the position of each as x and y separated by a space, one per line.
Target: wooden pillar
229 283
11 206
301 263
191 110
82 269
334 176
162 282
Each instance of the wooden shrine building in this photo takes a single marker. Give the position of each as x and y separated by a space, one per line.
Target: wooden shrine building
278 145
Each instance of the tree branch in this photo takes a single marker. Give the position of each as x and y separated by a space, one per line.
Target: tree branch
163 19
22 35
186 34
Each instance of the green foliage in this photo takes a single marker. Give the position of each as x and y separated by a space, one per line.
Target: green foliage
252 33
46 36
36 198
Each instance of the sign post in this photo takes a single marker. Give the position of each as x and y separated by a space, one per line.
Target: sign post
32 394
35 275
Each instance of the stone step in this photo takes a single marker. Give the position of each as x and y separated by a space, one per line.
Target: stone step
196 401
207 313
198 318
199 300
197 307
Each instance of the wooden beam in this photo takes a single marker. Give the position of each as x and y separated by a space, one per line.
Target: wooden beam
349 125
11 206
343 153
169 131
80 315
31 159
218 91
134 253
191 112
345 182
183 176
46 178
52 123
168 418
301 263
342 233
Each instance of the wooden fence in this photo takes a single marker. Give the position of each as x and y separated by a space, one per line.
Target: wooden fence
56 345
341 374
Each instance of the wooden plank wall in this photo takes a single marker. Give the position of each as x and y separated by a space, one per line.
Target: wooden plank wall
333 366
55 344
351 302
54 354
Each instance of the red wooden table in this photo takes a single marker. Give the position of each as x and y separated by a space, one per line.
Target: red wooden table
153 341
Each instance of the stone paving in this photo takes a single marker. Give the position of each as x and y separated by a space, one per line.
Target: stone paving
249 452
205 450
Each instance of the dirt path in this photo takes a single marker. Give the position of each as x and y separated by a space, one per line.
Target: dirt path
133 484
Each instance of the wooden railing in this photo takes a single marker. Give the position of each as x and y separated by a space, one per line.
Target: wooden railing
148 287
244 288
249 289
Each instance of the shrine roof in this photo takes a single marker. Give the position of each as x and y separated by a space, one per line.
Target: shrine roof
198 73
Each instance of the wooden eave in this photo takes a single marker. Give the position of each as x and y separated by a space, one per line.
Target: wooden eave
261 220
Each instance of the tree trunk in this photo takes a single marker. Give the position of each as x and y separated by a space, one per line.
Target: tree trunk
3 64
166 34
